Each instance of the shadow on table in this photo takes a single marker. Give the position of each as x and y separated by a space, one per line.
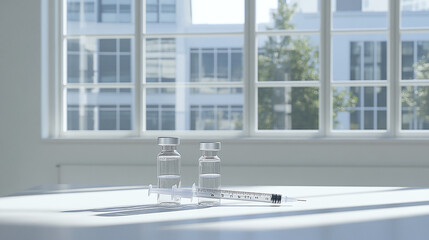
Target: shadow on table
137 210
190 228
155 208
71 188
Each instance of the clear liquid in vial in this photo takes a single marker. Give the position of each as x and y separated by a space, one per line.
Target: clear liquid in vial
209 178
168 176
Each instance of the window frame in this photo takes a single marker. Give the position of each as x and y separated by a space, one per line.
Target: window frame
250 84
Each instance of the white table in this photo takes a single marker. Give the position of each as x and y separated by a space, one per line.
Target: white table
126 212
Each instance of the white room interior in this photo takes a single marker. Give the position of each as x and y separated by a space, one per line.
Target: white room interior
352 151
27 159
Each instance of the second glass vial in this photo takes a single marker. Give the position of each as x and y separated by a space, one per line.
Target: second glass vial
209 171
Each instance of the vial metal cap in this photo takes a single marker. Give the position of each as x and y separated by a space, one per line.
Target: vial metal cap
210 146
168 141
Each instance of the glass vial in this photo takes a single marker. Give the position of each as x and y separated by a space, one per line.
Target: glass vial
209 171
168 168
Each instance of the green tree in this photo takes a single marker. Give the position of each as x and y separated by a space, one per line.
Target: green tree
418 97
285 58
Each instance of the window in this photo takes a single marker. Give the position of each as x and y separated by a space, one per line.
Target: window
160 11
178 66
414 77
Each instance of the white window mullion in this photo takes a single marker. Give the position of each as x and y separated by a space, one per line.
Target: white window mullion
375 108
325 106
362 107
215 66
229 54
250 107
139 67
61 46
394 63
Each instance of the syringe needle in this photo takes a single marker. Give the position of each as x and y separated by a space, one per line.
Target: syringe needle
301 200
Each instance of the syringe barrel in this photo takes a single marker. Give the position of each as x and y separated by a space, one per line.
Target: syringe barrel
183 192
173 192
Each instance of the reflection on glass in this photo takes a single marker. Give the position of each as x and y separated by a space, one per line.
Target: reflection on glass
367 58
287 15
285 58
365 14
359 108
166 16
285 108
109 58
199 60
99 17
414 13
415 57
415 107
201 108
99 109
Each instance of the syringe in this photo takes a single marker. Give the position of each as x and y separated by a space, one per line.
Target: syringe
223 194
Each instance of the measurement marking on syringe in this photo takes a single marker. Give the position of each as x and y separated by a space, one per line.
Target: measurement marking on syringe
226 194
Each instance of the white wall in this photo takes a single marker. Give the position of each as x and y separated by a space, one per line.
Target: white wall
26 160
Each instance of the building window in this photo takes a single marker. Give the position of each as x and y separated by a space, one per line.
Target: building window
160 11
367 108
221 117
216 64
160 117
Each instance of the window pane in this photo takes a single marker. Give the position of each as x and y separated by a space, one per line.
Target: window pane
152 117
196 109
368 97
381 97
125 117
285 108
80 62
125 68
72 117
415 56
195 65
284 15
107 117
357 14
88 56
414 13
199 60
73 71
89 115
107 45
369 120
207 65
170 16
125 45
222 65
381 119
99 17
285 58
107 69
415 107
359 108
236 65
366 58
99 109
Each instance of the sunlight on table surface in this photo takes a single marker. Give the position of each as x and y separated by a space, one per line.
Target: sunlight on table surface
88 212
